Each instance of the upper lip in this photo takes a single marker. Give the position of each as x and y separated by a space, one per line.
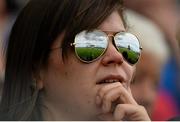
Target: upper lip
111 77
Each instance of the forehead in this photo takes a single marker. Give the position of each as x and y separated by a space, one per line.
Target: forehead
112 23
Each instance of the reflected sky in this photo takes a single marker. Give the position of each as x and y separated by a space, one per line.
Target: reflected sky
99 39
127 39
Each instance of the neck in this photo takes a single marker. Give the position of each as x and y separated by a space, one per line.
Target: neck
53 111
50 113
62 110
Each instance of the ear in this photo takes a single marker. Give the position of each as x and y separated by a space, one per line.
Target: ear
38 76
39 84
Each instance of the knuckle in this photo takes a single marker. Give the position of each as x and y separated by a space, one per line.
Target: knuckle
119 107
107 97
142 108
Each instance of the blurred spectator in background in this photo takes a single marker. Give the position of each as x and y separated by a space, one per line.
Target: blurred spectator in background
177 118
8 10
170 84
164 14
146 81
8 13
5 20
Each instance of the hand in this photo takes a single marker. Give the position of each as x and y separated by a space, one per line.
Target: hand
117 104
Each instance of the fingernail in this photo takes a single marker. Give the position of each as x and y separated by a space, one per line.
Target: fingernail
98 100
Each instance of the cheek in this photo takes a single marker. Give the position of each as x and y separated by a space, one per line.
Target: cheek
70 77
130 73
70 70
80 71
133 72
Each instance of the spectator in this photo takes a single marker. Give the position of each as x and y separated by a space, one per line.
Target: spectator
52 74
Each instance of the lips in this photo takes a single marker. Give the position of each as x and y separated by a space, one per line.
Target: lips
111 79
108 81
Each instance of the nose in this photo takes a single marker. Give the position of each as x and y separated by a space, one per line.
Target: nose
112 56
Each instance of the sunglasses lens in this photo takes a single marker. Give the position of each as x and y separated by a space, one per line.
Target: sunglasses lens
90 45
129 46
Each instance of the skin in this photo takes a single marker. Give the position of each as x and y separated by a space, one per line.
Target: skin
71 92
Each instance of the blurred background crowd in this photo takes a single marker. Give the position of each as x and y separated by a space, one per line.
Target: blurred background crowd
156 23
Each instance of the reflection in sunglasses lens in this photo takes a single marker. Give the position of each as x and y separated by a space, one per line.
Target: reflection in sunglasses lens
129 55
128 45
89 53
89 46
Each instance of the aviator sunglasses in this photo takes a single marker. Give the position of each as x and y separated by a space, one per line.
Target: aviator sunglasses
91 45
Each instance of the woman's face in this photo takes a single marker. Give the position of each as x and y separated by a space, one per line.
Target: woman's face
71 87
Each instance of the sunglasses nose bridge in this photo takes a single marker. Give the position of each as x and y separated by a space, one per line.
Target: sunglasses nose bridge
111 39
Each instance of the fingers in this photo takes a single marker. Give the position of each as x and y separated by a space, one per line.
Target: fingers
130 112
117 103
104 90
113 94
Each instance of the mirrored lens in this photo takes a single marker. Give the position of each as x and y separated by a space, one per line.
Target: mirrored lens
128 45
90 45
